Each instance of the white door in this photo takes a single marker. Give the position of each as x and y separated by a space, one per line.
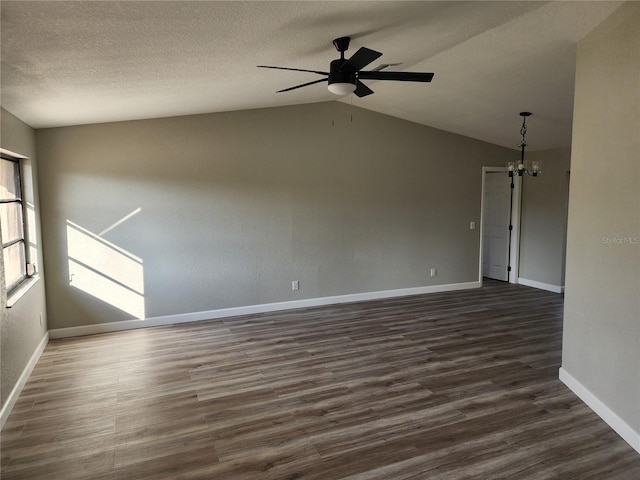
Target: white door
495 236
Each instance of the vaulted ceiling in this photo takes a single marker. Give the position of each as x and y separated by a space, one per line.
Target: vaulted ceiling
69 63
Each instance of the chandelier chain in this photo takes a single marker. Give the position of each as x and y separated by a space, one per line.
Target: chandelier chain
523 131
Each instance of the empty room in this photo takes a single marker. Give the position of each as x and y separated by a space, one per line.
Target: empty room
320 240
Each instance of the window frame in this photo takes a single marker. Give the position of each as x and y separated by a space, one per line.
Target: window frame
15 290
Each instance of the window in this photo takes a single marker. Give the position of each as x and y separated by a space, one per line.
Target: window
14 252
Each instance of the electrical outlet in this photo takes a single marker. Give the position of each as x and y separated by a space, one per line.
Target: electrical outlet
472 225
434 272
295 285
40 319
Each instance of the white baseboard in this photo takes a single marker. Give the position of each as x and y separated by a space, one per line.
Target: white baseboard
251 309
541 285
22 380
628 433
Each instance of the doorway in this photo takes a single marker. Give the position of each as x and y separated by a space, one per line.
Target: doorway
500 225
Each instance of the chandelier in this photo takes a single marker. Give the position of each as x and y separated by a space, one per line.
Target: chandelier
531 167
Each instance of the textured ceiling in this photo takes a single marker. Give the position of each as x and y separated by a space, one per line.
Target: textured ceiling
69 63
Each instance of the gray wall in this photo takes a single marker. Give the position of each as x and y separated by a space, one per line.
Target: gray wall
225 210
20 330
601 347
544 219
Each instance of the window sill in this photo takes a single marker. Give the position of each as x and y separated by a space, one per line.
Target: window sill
21 291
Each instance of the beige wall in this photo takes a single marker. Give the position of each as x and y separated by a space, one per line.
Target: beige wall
601 346
21 330
225 210
544 219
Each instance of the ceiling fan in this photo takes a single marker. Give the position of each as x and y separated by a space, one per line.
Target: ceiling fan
344 75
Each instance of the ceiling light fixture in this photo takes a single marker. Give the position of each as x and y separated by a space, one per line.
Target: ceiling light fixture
532 167
342 89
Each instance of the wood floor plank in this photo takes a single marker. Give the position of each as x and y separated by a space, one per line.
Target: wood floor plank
452 385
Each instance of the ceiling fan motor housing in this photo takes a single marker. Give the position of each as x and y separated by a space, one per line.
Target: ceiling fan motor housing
336 75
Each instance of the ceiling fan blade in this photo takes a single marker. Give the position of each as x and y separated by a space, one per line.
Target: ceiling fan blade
362 90
294 69
363 57
303 85
398 76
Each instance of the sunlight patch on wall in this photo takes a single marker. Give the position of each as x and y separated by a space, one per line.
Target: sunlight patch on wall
105 271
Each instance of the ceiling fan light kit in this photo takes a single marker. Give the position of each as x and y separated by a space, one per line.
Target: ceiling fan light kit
342 88
344 75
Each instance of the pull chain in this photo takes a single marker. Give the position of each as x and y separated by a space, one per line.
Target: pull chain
333 113
351 112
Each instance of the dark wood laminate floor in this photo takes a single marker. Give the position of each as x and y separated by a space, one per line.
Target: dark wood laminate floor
456 385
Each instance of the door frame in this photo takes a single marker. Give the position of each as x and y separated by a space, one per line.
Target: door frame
514 259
